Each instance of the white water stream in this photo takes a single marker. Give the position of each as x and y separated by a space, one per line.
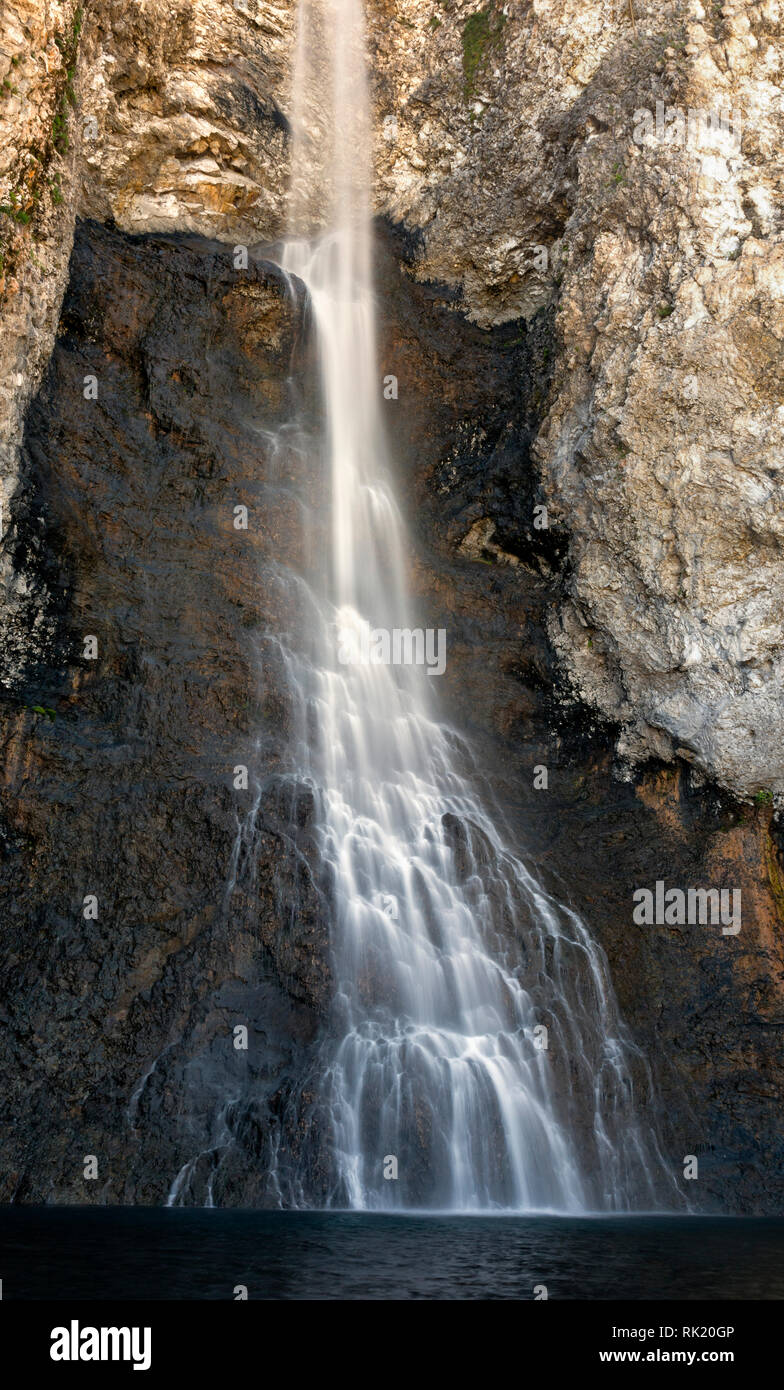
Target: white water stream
448 957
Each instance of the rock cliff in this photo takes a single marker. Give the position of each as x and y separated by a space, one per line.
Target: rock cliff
624 164
620 164
582 294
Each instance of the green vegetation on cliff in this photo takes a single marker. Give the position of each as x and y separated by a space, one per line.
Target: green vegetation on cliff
482 33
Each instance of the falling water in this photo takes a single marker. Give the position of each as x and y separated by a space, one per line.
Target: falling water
473 1044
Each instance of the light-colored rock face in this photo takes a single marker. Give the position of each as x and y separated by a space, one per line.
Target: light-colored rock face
663 447
186 99
38 86
37 39
471 102
512 143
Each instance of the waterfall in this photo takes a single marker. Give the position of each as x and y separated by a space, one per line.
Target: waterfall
473 1058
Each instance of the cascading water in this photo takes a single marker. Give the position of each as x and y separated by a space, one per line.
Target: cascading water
473 1045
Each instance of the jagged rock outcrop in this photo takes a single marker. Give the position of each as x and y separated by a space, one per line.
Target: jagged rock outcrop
664 447
187 101
517 137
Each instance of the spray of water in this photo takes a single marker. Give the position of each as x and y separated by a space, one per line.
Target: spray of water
474 1038
473 1058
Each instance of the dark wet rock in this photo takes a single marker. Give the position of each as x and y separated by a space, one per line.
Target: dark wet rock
213 909
118 1032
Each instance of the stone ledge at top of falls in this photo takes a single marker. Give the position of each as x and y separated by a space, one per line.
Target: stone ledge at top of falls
661 441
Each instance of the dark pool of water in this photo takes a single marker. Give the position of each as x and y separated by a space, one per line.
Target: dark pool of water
133 1253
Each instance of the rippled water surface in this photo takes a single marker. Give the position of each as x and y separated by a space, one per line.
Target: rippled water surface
66 1253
